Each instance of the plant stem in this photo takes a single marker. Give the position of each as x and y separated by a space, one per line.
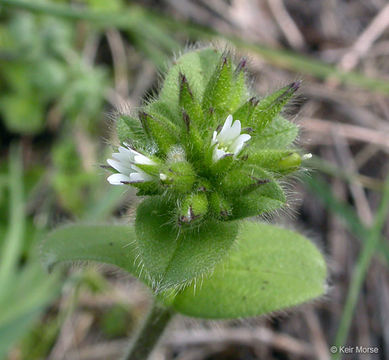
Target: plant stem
150 332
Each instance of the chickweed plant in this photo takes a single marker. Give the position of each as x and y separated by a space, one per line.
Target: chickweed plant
206 155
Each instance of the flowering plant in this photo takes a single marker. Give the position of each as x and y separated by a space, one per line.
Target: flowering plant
206 154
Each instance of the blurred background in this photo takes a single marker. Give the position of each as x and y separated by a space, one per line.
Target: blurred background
66 66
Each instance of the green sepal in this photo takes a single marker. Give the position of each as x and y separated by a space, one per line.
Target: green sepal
217 95
221 166
269 107
189 104
270 269
148 188
245 112
172 256
239 91
192 139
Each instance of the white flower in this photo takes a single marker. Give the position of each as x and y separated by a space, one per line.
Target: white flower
229 141
125 162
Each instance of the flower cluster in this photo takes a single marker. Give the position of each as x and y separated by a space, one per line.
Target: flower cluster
206 146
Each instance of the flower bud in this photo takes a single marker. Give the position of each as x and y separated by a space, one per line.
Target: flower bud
219 206
280 161
289 163
193 208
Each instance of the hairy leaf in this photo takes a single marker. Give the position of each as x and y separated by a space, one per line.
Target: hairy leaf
269 269
100 243
279 134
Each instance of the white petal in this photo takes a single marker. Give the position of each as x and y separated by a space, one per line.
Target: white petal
145 177
237 145
163 177
134 167
214 139
125 151
226 126
143 160
139 177
306 156
218 154
116 179
231 134
134 152
120 166
235 130
122 157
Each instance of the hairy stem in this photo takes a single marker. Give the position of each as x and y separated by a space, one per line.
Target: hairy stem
149 333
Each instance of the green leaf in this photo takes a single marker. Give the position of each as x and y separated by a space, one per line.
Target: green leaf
100 243
270 269
173 256
245 111
279 134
